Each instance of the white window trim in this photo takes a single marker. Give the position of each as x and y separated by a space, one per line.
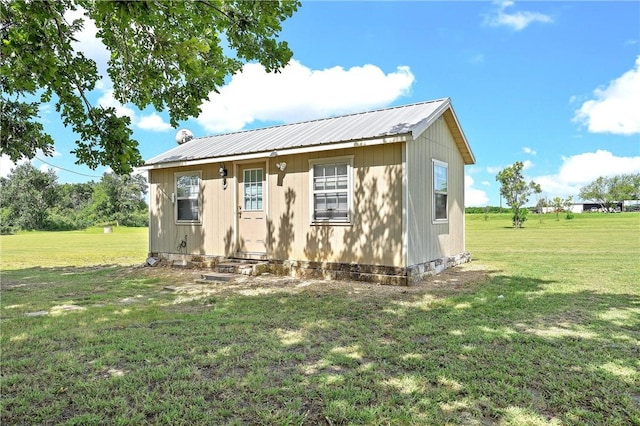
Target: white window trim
332 160
434 192
176 175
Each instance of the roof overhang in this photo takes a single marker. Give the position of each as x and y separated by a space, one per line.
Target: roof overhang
446 111
459 137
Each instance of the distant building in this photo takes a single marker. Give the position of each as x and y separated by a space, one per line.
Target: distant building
589 208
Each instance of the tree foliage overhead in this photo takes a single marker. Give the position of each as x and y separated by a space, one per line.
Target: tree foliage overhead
169 55
516 191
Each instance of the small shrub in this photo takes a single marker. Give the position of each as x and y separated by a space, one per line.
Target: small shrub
137 220
65 222
6 225
6 229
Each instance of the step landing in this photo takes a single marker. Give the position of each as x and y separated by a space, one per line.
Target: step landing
215 277
239 266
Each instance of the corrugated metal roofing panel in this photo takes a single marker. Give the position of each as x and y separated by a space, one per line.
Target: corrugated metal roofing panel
353 127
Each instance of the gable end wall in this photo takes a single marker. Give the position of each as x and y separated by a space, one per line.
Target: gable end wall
427 240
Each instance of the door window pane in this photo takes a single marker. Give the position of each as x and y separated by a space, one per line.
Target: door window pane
253 189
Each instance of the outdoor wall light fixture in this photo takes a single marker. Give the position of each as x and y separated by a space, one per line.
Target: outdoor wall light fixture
223 174
281 166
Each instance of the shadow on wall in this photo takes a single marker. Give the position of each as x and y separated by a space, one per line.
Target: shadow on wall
228 242
375 233
286 233
168 236
318 247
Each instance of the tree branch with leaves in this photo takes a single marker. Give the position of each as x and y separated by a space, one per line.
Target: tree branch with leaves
169 55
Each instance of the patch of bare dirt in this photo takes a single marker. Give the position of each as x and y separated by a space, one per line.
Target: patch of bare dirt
461 279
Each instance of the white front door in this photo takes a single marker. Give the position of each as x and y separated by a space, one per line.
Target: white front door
252 223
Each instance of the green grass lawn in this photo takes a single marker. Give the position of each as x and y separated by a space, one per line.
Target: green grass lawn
89 247
542 327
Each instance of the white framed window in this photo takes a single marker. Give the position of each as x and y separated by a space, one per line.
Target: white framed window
440 195
187 198
331 189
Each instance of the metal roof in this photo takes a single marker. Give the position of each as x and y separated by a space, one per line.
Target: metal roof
402 120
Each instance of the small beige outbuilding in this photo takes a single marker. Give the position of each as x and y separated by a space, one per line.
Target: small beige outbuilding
377 195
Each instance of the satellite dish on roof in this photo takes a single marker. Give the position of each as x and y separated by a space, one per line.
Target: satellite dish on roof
184 136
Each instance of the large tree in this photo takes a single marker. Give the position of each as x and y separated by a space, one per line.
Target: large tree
608 191
118 197
516 191
26 195
169 55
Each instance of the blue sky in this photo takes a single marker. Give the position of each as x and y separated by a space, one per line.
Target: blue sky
553 84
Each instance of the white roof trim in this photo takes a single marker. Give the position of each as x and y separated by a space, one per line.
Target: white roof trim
419 128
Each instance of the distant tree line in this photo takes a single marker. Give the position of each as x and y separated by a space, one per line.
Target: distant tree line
31 199
487 209
607 192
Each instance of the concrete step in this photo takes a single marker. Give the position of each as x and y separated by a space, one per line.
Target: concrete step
215 277
234 268
243 261
179 264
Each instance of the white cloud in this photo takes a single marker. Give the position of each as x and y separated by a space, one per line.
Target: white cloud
300 93
527 164
473 197
87 42
529 151
516 20
153 122
616 108
108 101
581 169
93 48
44 168
6 165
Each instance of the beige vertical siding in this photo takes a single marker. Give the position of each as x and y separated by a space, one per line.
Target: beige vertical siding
373 237
375 234
427 240
214 235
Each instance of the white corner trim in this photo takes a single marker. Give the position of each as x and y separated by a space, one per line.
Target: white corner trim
405 207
